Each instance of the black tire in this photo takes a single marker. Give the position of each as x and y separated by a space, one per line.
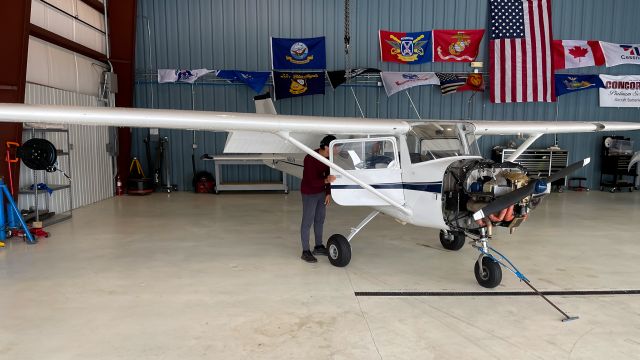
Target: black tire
454 241
491 274
339 250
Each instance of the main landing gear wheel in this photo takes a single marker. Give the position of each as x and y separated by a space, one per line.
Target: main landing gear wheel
452 240
339 250
491 275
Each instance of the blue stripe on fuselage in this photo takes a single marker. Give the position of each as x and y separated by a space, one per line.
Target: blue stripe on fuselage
435 187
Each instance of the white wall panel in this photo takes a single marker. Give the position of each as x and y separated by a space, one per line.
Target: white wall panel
89 163
90 15
62 69
66 19
53 66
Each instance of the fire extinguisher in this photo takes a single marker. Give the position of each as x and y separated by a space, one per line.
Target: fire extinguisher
119 187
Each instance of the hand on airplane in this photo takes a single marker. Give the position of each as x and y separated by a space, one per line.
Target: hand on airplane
330 179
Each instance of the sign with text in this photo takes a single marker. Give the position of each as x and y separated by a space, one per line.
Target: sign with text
620 91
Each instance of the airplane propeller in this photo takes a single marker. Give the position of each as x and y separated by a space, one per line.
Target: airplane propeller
535 186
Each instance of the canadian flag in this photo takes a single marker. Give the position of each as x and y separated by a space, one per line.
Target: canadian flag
568 54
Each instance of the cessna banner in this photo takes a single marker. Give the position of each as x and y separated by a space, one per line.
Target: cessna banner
429 174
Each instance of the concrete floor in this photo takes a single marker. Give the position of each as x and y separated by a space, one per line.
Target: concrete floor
186 276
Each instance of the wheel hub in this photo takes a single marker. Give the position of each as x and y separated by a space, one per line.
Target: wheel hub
333 251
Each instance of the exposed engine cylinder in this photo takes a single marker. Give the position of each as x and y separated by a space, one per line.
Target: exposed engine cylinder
469 185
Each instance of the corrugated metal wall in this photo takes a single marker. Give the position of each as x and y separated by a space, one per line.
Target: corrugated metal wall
226 34
88 163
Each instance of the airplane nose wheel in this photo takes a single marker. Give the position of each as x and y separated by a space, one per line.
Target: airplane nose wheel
339 250
488 275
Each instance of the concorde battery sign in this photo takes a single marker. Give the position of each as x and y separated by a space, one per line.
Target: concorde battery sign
620 91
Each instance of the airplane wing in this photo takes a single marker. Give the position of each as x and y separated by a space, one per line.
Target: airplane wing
486 127
199 120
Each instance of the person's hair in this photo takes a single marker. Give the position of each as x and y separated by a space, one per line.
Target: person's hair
326 141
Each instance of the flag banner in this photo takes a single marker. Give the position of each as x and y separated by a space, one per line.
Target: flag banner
475 82
456 45
570 54
177 75
451 83
339 77
620 91
520 66
253 79
567 83
294 84
398 81
296 54
406 48
616 54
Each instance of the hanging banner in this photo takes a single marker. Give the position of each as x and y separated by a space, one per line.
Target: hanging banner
253 79
569 54
616 54
620 91
398 81
339 77
406 48
294 84
296 54
177 75
567 83
456 45
451 83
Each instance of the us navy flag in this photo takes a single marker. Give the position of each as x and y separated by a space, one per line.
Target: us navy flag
295 54
294 84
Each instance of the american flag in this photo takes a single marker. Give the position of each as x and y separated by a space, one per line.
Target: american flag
520 68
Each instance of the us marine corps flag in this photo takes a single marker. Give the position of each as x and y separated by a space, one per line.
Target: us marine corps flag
456 45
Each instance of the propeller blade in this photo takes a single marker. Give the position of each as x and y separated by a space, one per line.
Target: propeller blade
568 170
511 198
533 187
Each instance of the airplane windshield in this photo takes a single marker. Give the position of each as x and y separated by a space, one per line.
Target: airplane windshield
431 140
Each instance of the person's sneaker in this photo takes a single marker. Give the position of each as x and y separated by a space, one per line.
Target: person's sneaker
320 250
308 257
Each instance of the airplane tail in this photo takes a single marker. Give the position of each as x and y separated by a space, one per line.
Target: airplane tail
264 104
254 142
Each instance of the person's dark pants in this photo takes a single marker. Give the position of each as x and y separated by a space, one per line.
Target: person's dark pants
313 212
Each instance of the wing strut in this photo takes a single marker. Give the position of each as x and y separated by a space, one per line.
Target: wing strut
525 145
322 159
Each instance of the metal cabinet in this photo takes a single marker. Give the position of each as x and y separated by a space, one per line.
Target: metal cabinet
61 199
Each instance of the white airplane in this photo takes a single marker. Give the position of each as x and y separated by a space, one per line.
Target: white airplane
427 173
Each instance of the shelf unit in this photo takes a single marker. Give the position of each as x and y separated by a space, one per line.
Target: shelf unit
541 162
60 138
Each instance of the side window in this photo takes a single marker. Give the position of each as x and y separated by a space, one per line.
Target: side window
370 153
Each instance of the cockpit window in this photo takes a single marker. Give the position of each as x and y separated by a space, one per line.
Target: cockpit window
430 141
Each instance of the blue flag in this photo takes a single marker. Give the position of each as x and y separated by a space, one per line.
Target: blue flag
294 84
567 83
296 54
253 79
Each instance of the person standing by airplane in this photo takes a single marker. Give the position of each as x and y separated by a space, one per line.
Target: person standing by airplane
316 195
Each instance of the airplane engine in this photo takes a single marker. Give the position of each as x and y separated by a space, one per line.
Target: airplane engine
470 185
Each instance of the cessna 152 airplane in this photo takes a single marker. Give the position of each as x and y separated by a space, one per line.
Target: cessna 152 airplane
427 173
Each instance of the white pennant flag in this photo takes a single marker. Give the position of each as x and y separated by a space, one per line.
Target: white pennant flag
174 75
616 54
398 81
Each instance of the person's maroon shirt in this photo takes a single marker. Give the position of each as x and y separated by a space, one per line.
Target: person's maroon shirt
313 176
